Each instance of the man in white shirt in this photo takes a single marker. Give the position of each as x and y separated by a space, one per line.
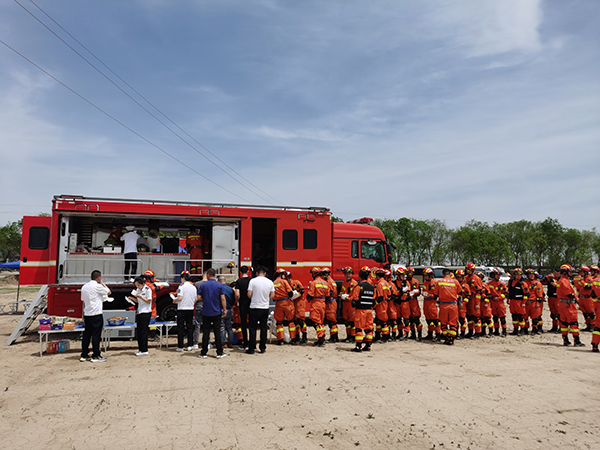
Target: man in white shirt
130 241
93 294
186 302
260 290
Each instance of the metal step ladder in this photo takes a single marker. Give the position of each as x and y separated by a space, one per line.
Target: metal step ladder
37 307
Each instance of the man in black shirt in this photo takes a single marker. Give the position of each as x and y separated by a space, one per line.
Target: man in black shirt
241 295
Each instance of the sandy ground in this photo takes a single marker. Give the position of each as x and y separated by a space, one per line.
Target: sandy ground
518 393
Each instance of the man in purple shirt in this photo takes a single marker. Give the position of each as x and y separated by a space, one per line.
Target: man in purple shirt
214 307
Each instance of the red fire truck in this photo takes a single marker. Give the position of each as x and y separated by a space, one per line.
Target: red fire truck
82 234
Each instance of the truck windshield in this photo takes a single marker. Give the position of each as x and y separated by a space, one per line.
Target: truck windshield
374 250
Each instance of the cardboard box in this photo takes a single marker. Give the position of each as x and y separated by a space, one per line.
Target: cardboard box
69 325
45 327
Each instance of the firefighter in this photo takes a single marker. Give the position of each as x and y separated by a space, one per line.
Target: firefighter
382 295
154 285
318 291
346 289
194 243
550 282
415 311
463 301
485 307
299 308
498 292
430 307
568 306
392 306
402 304
447 290
331 305
284 307
595 293
363 300
583 284
516 301
535 298
473 306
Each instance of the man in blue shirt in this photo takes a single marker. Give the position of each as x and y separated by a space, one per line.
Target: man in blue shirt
227 322
210 293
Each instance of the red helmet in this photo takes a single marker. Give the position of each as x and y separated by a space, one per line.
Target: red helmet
185 271
470 266
460 272
380 271
585 269
518 271
427 271
387 273
347 269
595 268
480 274
529 271
400 270
325 270
566 268
315 270
231 265
289 274
280 271
366 268
149 273
495 271
409 269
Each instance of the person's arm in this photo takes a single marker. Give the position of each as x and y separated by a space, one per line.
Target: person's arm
272 293
148 292
102 288
224 304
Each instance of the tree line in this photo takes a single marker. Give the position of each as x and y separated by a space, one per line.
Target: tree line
541 245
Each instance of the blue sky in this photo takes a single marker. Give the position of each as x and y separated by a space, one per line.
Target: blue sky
456 110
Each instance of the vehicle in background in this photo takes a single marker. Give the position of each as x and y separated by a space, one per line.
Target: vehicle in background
83 234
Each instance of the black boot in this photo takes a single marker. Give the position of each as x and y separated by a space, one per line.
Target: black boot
333 338
469 335
496 331
488 334
304 339
566 341
554 329
320 342
358 348
412 335
403 337
525 331
578 342
436 338
429 336
419 332
595 348
515 331
377 336
503 332
462 334
367 347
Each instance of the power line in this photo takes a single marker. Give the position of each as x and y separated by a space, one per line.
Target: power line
121 123
147 101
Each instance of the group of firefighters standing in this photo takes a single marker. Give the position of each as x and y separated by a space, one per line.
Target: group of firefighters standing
460 305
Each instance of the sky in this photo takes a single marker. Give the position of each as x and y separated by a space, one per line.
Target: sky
447 109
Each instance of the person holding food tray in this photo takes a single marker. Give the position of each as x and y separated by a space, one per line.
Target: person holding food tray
142 295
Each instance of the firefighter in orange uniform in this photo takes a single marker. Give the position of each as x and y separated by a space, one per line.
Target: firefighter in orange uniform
568 306
392 306
535 298
413 298
299 308
382 295
284 307
402 304
331 306
595 293
430 307
517 296
473 306
583 284
498 292
318 291
154 285
463 301
346 289
195 247
363 300
485 307
447 290
550 282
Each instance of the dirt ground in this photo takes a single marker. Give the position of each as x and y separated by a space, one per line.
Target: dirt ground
519 393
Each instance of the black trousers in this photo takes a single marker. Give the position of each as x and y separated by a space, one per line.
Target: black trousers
185 326
258 318
142 320
130 266
211 323
244 311
93 332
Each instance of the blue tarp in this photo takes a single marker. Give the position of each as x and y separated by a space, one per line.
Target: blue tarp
10 265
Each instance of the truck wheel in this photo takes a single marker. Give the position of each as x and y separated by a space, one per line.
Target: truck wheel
168 313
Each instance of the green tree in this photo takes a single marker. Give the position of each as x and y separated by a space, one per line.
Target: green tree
10 241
